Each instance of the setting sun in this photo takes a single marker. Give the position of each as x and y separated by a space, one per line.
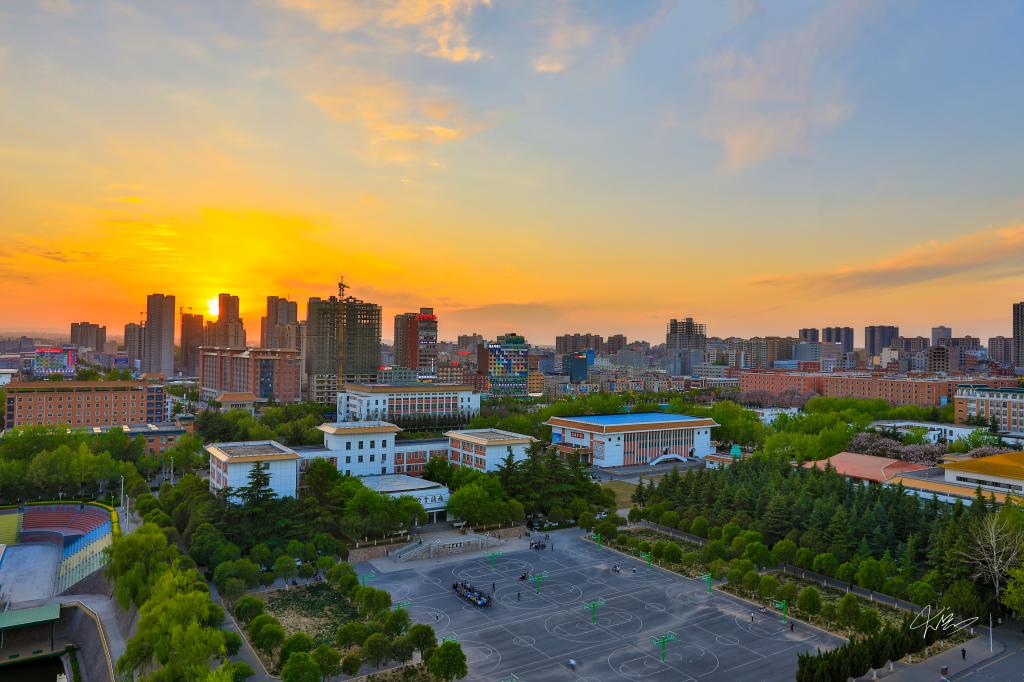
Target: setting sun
213 307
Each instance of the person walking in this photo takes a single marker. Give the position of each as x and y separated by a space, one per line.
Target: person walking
492 588
519 596
751 616
963 653
791 626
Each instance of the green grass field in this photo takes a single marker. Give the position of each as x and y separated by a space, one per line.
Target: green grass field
623 493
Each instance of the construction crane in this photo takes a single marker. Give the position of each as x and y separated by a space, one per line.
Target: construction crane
341 287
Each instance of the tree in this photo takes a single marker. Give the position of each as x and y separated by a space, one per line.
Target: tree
300 668
870 575
423 639
751 581
868 622
377 649
232 642
809 601
447 662
921 593
269 637
768 587
247 608
299 642
397 622
994 549
328 660
233 589
826 563
352 632
351 663
784 551
759 554
849 609
284 567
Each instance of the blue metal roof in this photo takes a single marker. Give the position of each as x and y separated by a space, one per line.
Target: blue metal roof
636 418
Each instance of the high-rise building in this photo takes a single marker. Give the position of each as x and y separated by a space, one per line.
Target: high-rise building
158 353
685 334
877 337
88 335
575 366
360 340
134 343
191 340
470 342
277 326
505 365
416 342
577 343
1000 350
808 336
843 335
940 332
909 344
323 349
1018 334
615 343
228 331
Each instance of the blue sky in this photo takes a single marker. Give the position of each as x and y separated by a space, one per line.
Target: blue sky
540 166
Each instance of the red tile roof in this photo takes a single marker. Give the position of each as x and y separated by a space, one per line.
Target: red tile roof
866 467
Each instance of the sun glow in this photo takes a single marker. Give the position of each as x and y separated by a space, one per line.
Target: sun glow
213 307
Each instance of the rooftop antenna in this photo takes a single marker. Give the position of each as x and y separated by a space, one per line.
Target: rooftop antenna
341 286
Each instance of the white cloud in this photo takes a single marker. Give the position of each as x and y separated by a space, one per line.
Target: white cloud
774 99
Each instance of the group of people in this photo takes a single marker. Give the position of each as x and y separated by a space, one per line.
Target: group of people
618 569
474 596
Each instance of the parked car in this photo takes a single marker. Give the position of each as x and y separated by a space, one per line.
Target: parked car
601 515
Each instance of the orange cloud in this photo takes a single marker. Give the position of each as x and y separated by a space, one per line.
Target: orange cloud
439 27
397 122
984 255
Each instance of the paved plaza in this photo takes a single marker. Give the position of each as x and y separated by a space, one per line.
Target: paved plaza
28 571
532 635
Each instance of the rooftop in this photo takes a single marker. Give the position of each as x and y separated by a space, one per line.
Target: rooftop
407 388
939 487
634 418
491 436
25 617
347 428
1006 464
398 483
606 423
255 450
865 467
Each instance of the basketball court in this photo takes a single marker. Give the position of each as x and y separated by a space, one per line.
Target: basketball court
615 625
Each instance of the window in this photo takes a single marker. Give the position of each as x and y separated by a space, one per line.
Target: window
348 445
383 470
373 444
371 456
348 459
360 459
383 456
360 445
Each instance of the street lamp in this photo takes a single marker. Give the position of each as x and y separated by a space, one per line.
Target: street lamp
122 493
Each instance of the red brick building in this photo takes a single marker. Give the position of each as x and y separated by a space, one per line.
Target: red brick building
267 373
83 403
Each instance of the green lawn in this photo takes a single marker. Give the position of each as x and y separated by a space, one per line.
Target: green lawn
623 493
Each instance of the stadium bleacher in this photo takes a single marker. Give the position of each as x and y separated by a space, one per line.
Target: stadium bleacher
82 532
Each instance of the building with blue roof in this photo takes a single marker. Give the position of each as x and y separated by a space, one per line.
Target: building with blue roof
613 440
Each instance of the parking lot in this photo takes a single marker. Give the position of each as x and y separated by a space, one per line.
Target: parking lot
532 630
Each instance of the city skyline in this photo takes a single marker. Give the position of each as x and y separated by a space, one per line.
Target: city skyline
549 168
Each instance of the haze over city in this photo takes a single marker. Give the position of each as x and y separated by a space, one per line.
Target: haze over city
547 167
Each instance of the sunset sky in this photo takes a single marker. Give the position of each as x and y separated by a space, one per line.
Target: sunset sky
545 167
